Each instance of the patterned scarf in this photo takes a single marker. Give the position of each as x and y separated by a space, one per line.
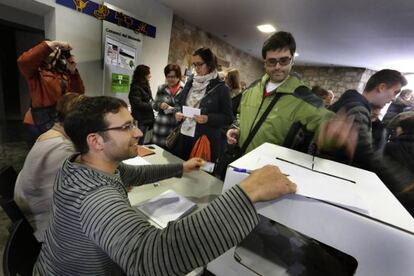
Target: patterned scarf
195 95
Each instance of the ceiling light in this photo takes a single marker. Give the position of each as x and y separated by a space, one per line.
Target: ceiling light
266 28
296 54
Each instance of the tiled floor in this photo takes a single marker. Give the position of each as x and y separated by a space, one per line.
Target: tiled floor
13 151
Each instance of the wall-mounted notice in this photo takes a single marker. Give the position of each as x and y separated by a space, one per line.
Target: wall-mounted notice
120 83
121 54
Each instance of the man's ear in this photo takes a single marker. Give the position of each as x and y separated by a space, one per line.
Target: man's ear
382 87
95 141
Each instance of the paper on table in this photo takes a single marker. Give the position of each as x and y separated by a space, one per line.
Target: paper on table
320 186
166 207
136 161
190 111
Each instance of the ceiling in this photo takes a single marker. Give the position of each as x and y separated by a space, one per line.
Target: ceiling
373 34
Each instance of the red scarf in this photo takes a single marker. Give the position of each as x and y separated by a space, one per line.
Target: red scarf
174 89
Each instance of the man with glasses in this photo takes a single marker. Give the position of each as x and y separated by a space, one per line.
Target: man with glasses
297 106
93 229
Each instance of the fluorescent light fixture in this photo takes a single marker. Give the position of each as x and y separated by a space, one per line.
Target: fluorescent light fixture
266 28
296 54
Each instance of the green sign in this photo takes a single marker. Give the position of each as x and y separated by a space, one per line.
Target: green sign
120 83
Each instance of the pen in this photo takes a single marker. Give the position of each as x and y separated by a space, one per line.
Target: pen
242 170
248 171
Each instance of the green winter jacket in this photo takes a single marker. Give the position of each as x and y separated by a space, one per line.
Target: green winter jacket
290 108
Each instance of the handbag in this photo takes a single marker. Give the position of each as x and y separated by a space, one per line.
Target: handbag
234 152
172 138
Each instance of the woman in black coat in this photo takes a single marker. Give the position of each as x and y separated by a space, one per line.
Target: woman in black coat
204 90
140 98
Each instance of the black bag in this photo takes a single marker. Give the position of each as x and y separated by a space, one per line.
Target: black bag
44 117
234 152
299 138
172 138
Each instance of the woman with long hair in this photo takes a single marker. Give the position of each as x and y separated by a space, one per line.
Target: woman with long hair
233 82
140 98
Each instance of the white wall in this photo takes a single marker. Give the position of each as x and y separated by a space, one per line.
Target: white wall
84 33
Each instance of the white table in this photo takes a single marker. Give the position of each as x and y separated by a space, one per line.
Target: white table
200 187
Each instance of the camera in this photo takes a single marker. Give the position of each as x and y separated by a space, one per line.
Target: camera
65 54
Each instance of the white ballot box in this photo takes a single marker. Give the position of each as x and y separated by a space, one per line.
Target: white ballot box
344 207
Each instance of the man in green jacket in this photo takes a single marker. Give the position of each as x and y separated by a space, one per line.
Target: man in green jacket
296 105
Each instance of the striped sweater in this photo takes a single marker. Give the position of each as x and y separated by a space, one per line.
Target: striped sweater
94 230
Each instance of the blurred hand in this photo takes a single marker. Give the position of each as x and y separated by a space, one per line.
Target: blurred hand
193 164
164 106
71 64
266 184
59 44
232 136
201 119
339 132
179 116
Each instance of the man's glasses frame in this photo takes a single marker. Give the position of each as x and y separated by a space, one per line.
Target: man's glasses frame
129 126
283 61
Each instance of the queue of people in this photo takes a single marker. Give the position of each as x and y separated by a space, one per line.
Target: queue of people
80 198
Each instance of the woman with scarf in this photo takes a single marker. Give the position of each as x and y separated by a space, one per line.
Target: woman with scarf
204 91
140 98
165 104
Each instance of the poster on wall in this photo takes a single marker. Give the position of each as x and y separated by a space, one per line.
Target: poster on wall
120 83
121 54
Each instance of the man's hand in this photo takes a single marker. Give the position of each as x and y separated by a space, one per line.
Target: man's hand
164 106
232 136
179 116
71 65
193 164
339 132
201 119
266 184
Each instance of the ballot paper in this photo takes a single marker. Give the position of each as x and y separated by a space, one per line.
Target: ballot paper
166 207
190 111
318 185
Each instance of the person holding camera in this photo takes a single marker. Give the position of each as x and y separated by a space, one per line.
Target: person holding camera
50 71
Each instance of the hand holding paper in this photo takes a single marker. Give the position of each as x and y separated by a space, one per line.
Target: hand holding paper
190 111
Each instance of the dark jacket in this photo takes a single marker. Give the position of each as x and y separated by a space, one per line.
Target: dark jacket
140 98
398 106
401 149
217 105
366 157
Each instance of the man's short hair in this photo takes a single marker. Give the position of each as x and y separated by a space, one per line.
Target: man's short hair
279 40
387 76
89 117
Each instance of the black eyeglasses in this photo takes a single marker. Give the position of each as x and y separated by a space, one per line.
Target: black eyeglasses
198 64
283 61
172 77
129 126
